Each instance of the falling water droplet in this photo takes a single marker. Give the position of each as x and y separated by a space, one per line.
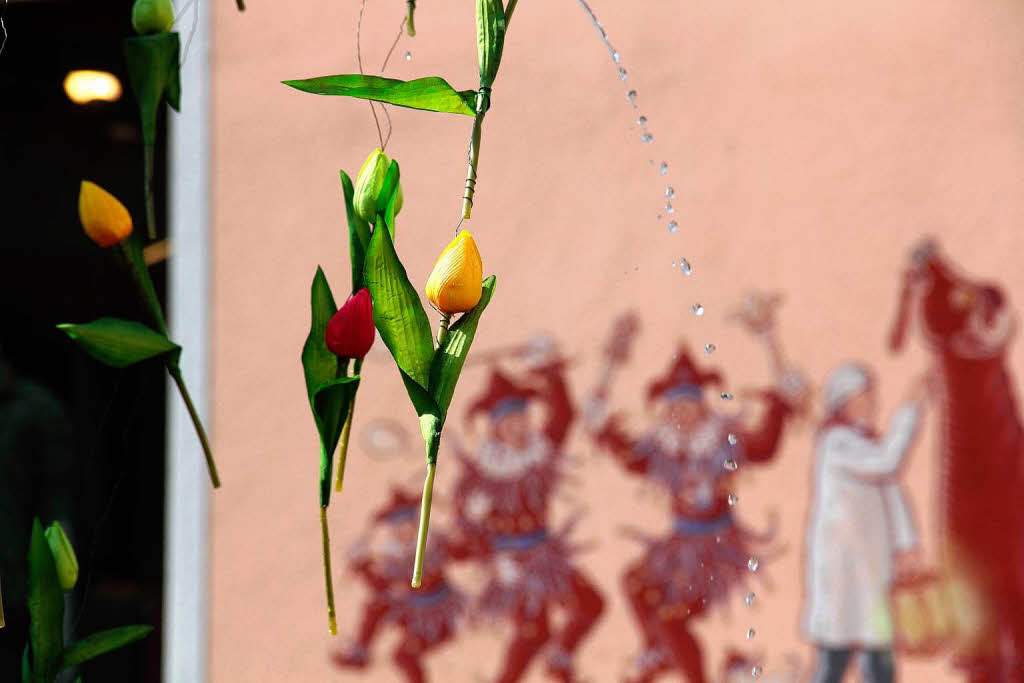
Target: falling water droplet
733 440
749 599
726 396
646 137
752 564
670 192
697 309
733 499
684 266
622 74
731 465
756 671
615 57
642 120
631 96
669 209
408 56
672 227
663 168
709 349
751 633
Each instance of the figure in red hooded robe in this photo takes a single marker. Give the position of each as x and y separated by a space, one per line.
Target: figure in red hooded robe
427 617
503 500
692 453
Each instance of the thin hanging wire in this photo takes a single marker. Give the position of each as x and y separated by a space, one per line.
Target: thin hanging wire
359 60
394 44
3 27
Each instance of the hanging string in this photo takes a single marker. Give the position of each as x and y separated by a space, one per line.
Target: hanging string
3 28
192 30
394 44
359 60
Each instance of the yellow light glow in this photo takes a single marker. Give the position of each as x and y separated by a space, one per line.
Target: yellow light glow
86 86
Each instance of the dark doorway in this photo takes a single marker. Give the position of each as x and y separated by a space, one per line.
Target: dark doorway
79 442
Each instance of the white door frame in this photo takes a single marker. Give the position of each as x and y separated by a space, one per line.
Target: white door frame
186 548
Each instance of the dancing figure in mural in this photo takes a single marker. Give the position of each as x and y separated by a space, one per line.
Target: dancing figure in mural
968 326
859 527
503 506
692 452
427 617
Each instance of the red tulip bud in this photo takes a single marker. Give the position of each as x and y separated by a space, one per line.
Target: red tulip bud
350 332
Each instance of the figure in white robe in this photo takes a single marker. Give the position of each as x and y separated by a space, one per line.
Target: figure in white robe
859 524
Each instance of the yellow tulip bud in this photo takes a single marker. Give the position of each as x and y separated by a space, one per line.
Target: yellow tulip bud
152 16
105 219
368 185
63 556
454 285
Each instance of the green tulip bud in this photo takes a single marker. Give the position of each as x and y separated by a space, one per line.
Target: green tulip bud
369 184
152 16
63 556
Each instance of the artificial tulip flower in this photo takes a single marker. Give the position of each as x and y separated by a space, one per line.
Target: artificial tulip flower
63 556
454 286
104 218
350 331
368 185
152 16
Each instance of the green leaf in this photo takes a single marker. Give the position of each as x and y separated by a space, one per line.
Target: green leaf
397 311
490 39
388 195
26 666
45 606
330 409
448 361
153 72
430 94
119 343
318 363
358 233
101 643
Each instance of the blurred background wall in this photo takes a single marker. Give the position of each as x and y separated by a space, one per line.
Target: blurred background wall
810 145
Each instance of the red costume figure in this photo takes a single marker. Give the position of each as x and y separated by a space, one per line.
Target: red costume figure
692 453
968 327
503 506
426 616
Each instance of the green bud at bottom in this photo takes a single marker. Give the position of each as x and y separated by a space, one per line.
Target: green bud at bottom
63 556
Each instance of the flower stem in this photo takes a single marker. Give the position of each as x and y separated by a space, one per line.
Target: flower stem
509 9
346 430
143 282
474 159
410 24
148 153
332 619
442 329
421 535
175 373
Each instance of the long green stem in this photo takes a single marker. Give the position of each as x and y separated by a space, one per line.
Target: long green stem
175 373
148 153
343 448
421 535
509 9
144 283
332 619
474 159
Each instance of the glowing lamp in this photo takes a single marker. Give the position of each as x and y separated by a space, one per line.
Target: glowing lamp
87 86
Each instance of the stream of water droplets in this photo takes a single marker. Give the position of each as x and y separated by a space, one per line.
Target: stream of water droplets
647 138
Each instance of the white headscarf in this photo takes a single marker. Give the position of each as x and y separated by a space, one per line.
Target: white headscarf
842 383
